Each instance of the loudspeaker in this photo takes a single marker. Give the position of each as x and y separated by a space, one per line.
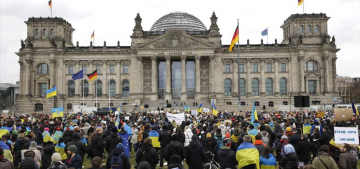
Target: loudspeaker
146 106
302 101
168 106
298 101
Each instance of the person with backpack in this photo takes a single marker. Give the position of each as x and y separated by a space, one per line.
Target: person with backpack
315 140
227 158
112 141
195 154
81 147
147 153
265 137
118 159
219 141
174 148
326 162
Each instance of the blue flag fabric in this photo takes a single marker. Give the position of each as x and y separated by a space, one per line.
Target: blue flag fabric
264 32
125 138
78 75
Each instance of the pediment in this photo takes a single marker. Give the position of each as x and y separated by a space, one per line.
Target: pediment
176 40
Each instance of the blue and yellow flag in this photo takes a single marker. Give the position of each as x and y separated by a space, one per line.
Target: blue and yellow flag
51 92
46 136
83 140
3 131
117 122
247 154
154 136
187 108
57 136
268 163
57 112
60 149
7 152
307 128
355 110
119 109
215 110
254 115
200 108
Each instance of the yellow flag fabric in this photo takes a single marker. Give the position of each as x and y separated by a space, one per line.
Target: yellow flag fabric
307 128
3 131
60 149
247 154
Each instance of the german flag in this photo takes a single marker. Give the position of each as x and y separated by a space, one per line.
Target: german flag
300 2
234 39
50 4
92 75
92 35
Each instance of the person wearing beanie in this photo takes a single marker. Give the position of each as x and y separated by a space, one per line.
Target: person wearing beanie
174 148
164 139
74 159
227 157
112 140
227 135
118 152
76 140
209 143
195 154
56 162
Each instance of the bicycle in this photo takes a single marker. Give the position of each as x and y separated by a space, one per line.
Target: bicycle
211 164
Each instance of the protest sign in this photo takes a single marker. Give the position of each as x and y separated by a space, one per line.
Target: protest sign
194 112
321 113
343 114
116 113
206 110
177 117
347 135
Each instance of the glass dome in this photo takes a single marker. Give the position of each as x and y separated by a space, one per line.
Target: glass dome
178 21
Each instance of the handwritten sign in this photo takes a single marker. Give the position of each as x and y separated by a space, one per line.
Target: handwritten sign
347 135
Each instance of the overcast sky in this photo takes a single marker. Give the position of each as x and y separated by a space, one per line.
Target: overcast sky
113 20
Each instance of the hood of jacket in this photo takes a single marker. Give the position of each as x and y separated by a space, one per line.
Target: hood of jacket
175 144
194 144
236 133
147 146
76 136
21 141
258 142
114 135
225 151
291 156
117 151
49 149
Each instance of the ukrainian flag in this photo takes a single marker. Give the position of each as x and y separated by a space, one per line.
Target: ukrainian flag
46 136
187 108
84 141
3 131
268 163
247 154
307 128
215 110
57 136
51 92
254 114
200 108
355 110
154 136
119 110
60 149
57 112
117 122
7 152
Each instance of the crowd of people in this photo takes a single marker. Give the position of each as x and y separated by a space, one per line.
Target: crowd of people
228 141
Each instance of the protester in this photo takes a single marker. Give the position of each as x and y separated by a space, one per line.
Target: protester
56 162
195 154
74 159
97 146
96 163
4 162
227 158
48 151
267 160
315 140
164 139
326 162
29 162
247 155
295 138
81 147
303 149
260 146
174 148
112 141
147 153
134 136
188 135
33 148
346 159
118 158
289 160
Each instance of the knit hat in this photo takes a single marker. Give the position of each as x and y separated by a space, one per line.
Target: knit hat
72 148
46 129
56 157
208 135
174 137
58 129
33 145
227 135
96 162
120 145
288 129
227 142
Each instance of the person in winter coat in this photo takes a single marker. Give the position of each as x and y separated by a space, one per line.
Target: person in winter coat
48 151
315 140
86 129
235 136
346 159
316 125
295 138
33 147
56 162
112 140
74 159
326 136
18 146
174 148
81 147
260 146
97 146
188 135
195 154
222 127
289 161
118 151
5 163
134 140
267 160
181 135
96 163
147 153
304 149
164 139
29 162
323 153
227 158
219 139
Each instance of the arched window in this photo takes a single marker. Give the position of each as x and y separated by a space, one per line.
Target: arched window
301 29
112 88
255 87
52 32
311 65
125 88
44 33
269 86
85 89
317 29
309 28
37 32
242 87
71 88
283 86
98 88
227 87
43 69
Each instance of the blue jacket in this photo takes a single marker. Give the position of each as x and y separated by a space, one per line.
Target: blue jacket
75 162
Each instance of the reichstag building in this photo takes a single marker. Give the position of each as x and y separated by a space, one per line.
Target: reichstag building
178 59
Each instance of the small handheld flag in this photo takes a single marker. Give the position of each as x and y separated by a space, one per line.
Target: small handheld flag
264 32
57 112
92 75
49 4
234 39
355 110
92 35
78 75
51 92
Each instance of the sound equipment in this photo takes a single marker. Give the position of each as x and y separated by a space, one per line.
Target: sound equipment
168 106
146 106
302 101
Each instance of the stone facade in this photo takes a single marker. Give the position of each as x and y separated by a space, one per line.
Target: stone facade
270 74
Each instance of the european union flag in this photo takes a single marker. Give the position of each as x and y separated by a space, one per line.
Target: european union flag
78 75
264 32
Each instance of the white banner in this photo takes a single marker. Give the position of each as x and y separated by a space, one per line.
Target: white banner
116 113
194 113
347 135
177 117
206 110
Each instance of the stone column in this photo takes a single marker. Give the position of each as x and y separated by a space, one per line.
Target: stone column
197 77
140 76
318 86
118 79
28 77
183 95
52 73
104 79
277 80
154 79
325 73
263 80
334 73
21 80
168 79
248 78
212 75
301 70
307 86
235 77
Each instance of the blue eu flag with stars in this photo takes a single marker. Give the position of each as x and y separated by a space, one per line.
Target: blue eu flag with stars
264 32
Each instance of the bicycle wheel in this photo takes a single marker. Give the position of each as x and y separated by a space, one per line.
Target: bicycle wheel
214 166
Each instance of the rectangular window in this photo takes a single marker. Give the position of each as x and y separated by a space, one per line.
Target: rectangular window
255 67
125 69
98 69
38 107
242 103
69 106
269 67
257 104
241 67
112 69
312 86
42 89
283 67
71 70
227 68
84 69
271 104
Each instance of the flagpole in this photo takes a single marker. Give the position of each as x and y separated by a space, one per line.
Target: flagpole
109 91
267 36
51 9
304 7
83 93
96 93
239 105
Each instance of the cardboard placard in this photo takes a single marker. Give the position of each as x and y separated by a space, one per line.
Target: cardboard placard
343 114
347 135
321 113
